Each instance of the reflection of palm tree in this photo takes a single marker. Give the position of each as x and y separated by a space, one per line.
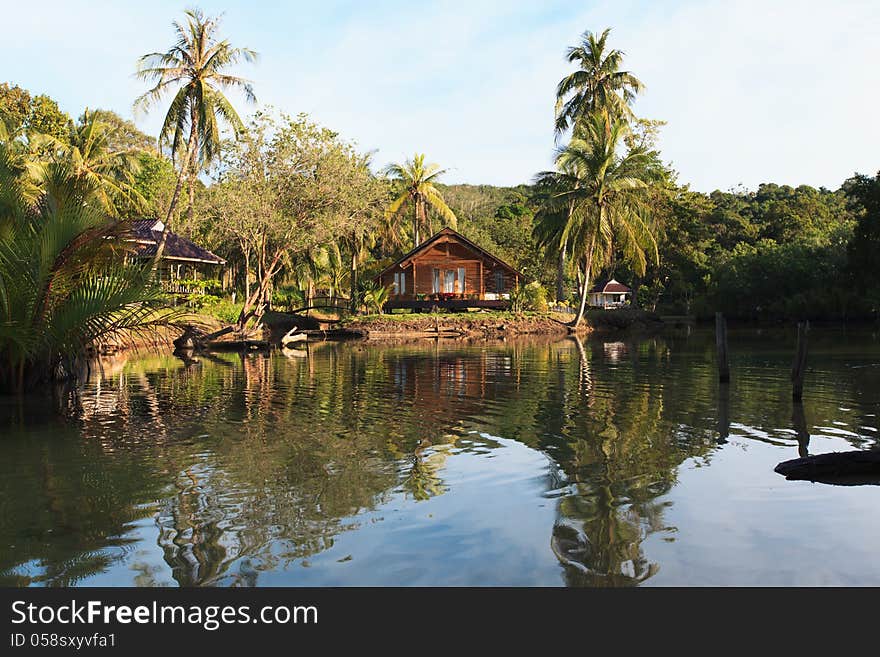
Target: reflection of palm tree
585 382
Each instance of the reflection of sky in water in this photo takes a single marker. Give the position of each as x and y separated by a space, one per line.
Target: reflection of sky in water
531 462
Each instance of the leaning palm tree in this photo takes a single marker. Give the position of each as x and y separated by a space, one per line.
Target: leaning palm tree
88 153
556 191
609 202
597 84
195 66
415 187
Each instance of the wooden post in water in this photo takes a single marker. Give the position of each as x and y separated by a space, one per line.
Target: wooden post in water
799 420
799 367
723 413
721 348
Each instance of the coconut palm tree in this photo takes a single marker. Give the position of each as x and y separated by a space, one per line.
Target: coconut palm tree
555 188
88 153
415 188
196 67
609 202
597 84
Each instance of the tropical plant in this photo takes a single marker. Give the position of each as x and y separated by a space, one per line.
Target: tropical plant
598 84
532 296
195 65
556 189
375 296
17 188
415 187
63 281
609 208
92 152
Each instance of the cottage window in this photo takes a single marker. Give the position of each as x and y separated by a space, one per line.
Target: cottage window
461 280
449 281
400 283
499 281
435 282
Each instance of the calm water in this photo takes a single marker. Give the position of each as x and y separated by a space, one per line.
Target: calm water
528 462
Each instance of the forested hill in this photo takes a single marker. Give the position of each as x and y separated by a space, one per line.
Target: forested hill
777 252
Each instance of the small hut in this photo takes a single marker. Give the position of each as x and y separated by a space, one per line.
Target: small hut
181 260
610 294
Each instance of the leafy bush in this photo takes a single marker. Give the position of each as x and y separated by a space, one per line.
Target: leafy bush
207 285
288 297
223 309
529 297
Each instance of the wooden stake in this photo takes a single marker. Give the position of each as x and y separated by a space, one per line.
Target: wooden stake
799 420
723 413
721 348
799 367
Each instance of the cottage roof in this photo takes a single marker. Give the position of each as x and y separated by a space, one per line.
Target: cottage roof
610 287
146 233
444 235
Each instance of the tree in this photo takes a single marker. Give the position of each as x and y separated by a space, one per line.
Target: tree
363 197
864 194
415 187
195 65
32 115
89 153
285 192
607 191
558 203
154 181
125 135
15 106
598 84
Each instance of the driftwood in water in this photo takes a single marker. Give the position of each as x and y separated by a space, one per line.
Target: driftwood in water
844 468
799 366
292 336
194 338
721 348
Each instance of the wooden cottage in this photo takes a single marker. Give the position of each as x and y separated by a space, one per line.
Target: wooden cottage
449 271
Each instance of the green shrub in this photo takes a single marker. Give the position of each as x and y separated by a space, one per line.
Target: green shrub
529 297
223 309
288 297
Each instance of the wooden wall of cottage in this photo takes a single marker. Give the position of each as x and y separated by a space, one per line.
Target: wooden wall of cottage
450 256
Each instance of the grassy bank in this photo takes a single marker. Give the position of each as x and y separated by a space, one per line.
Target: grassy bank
490 324
496 324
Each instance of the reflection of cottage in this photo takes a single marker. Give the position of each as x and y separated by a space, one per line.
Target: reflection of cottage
449 271
181 260
611 294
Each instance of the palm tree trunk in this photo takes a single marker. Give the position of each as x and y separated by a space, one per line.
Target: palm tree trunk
416 215
588 266
190 155
560 275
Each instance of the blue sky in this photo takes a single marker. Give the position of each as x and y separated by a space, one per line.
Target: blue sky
781 91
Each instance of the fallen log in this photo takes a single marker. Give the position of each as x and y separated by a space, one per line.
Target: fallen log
292 336
218 334
853 468
194 338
